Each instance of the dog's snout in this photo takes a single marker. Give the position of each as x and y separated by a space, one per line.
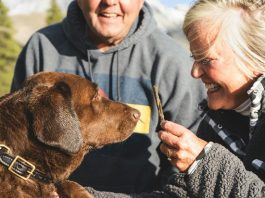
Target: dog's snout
136 115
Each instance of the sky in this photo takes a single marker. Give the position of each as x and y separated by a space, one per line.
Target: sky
173 3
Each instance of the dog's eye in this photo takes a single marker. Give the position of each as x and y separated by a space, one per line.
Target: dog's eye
97 97
102 93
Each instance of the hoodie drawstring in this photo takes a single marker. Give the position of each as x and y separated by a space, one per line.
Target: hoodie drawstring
83 69
118 79
90 75
86 74
90 67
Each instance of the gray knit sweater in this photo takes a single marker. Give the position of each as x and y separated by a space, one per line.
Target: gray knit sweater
219 174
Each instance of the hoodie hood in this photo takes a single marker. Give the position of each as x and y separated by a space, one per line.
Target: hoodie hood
74 26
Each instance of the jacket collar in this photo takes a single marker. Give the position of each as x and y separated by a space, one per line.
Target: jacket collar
256 94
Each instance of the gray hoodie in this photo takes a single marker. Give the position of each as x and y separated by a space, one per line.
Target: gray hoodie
126 72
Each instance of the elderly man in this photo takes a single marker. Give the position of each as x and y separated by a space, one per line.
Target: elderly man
116 44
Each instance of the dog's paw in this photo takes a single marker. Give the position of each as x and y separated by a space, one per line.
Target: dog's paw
70 189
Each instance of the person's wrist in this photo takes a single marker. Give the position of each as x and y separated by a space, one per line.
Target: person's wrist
198 159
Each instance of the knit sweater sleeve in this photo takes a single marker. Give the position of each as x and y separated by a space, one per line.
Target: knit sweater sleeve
104 194
220 174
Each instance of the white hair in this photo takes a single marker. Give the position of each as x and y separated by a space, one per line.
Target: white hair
238 23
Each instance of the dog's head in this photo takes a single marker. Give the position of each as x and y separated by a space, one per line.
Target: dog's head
68 115
52 122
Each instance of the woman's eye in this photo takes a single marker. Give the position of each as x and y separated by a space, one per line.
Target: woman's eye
206 61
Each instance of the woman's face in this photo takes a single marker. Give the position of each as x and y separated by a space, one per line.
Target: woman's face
110 20
226 84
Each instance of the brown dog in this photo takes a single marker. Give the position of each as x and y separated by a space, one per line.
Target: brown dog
48 126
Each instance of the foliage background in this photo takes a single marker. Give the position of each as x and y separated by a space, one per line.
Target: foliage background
10 48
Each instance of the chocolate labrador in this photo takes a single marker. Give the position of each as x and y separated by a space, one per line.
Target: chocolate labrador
47 127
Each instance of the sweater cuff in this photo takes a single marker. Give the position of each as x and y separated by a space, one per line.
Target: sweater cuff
199 158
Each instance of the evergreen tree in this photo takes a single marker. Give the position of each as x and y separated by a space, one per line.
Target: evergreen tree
9 50
54 13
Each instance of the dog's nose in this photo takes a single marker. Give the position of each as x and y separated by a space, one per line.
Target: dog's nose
136 115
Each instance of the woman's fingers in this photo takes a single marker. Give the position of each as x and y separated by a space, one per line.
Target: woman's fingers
173 128
180 145
168 151
169 138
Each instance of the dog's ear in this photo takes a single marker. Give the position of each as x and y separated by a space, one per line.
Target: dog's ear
54 121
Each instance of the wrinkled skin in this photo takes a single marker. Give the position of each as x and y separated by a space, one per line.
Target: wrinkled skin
109 21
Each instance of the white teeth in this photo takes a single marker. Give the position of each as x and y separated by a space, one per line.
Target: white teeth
211 86
109 15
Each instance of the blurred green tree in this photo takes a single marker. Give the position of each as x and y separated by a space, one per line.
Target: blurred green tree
9 50
54 13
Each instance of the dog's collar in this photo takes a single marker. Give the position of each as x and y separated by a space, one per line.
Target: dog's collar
20 166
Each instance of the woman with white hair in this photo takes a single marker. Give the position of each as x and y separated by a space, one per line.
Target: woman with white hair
227 157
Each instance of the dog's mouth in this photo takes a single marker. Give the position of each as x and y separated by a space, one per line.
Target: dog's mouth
126 129
127 126
122 130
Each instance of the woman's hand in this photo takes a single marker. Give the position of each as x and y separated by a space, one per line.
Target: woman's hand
180 145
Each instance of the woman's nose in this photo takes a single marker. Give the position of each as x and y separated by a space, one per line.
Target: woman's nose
110 2
196 71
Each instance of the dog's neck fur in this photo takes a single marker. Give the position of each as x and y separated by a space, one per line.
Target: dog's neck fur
13 128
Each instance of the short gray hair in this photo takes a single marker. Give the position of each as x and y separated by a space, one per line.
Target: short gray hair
239 23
